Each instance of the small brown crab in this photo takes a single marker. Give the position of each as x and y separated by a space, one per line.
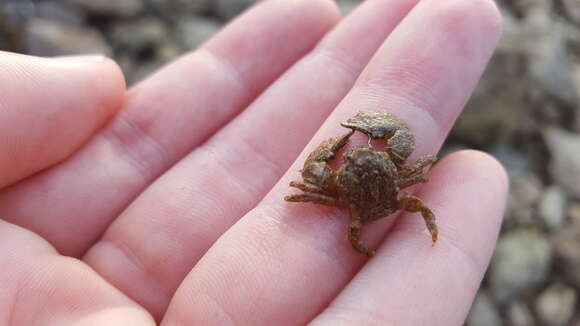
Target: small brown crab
369 182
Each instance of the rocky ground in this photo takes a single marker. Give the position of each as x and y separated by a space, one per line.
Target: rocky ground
524 112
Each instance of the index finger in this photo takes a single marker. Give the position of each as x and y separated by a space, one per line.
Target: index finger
295 254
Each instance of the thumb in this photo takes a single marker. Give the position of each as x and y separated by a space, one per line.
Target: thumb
50 106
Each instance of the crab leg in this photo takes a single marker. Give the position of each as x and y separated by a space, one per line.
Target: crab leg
328 149
315 170
354 233
413 169
306 187
409 181
414 204
312 197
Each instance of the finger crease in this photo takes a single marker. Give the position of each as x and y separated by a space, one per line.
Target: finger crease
229 69
250 150
339 60
476 266
136 261
137 146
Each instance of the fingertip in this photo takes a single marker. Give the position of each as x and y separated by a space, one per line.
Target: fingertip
477 164
492 17
482 15
116 86
330 10
51 106
95 78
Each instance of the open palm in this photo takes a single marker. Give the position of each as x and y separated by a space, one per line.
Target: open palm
164 203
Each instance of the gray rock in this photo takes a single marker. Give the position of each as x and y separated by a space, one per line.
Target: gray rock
144 70
567 249
483 312
228 9
519 314
521 261
11 28
550 64
136 35
565 164
127 63
346 6
551 207
572 8
194 31
58 12
525 191
176 8
573 213
50 38
148 35
513 160
168 50
523 7
120 8
17 11
498 106
555 305
542 39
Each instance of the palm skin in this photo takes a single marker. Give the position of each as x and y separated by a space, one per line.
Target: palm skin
162 204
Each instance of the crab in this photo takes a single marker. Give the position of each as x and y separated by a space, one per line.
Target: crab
369 183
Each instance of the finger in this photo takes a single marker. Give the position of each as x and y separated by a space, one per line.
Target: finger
296 254
40 287
223 170
50 107
167 115
468 190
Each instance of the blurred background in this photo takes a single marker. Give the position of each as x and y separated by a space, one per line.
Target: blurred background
524 112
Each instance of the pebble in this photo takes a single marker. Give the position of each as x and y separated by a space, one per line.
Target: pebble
56 11
567 248
176 8
551 207
486 121
525 191
51 38
513 160
135 36
519 314
228 9
194 31
521 261
346 6
572 8
120 8
555 305
550 64
565 163
573 213
144 70
483 312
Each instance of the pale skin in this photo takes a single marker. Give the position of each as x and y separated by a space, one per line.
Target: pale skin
164 217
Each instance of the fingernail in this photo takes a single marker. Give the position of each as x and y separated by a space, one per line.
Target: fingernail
83 58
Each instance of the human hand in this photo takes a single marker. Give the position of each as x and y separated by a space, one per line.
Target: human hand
173 211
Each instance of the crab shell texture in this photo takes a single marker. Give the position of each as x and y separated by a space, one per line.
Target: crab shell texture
368 181
385 125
